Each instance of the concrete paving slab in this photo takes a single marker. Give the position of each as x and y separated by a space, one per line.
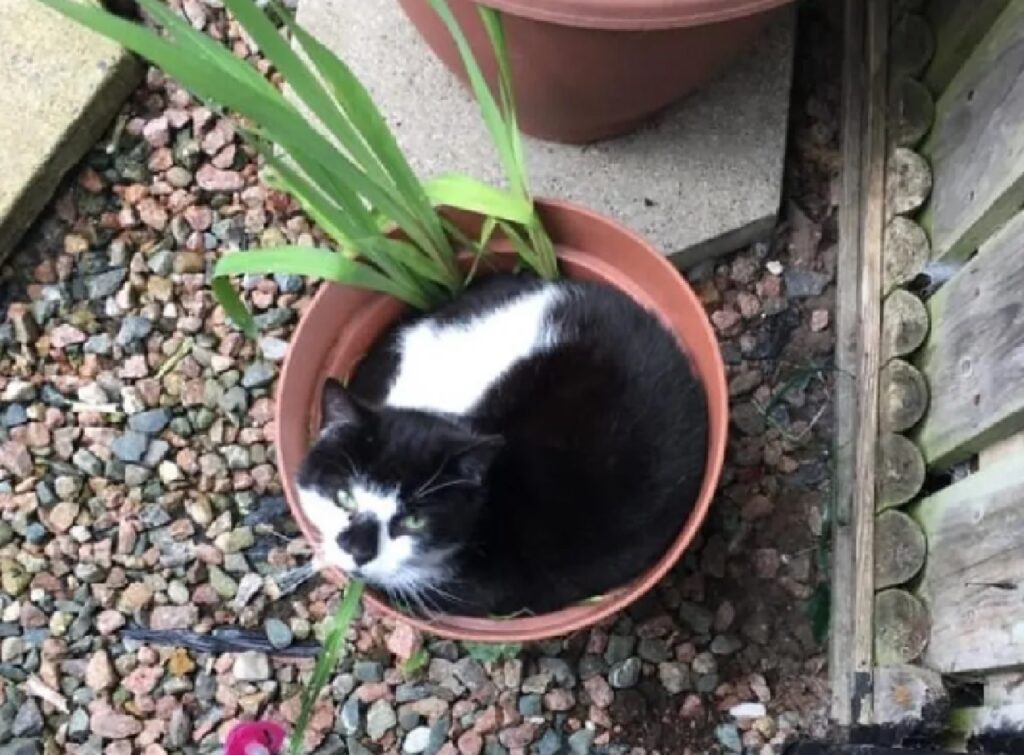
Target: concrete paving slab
702 179
60 86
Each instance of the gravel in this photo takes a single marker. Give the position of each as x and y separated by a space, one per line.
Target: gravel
138 489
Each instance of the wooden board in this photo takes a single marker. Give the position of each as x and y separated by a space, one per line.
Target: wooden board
976 146
973 581
847 349
1008 448
973 358
858 348
958 26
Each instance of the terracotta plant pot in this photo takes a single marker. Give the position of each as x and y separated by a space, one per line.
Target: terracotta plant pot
342 323
588 69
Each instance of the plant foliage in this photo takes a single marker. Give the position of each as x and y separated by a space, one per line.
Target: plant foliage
349 175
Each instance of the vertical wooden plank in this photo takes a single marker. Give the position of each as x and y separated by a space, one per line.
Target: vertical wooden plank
847 350
958 27
870 304
858 355
976 146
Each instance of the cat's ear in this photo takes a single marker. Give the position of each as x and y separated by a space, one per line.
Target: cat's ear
474 460
338 406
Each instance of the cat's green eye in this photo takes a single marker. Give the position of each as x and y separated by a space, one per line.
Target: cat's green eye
345 500
414 522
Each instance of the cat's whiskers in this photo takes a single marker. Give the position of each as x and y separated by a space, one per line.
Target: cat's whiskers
437 473
447 595
443 486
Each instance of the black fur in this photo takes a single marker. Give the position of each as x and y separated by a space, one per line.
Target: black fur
572 477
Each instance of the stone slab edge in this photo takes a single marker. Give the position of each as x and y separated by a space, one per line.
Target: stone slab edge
34 39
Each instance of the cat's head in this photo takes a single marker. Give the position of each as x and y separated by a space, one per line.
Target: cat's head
394 493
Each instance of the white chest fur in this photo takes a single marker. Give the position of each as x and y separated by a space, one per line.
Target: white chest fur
449 367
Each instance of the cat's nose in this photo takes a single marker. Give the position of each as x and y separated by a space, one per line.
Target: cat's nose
360 540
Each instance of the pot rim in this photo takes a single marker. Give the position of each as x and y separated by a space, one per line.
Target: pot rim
634 15
575 617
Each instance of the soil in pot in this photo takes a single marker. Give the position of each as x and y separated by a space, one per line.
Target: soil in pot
342 324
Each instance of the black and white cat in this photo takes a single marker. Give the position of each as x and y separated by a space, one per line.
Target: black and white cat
530 445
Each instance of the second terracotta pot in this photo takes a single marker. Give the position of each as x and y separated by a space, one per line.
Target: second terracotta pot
342 323
584 70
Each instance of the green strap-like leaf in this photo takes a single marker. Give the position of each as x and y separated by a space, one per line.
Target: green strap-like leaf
353 99
334 643
488 106
314 263
466 193
233 306
305 84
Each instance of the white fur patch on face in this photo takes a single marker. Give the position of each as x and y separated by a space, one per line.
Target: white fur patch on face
331 520
395 565
448 367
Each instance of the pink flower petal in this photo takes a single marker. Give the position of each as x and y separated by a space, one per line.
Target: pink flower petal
266 735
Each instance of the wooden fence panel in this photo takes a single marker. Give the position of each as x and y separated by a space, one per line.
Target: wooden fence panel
958 27
972 580
977 143
973 359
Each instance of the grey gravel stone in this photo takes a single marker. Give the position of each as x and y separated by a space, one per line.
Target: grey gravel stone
150 422
380 719
78 725
625 674
726 644
258 375
104 284
550 744
23 746
531 705
355 747
537 684
438 735
273 348
274 318
620 647
408 719
416 741
581 741
234 400
696 616
674 677
471 672
157 451
278 633
130 447
592 665
14 416
161 263
707 683
29 721
133 328
251 667
653 649
101 344
728 735
87 462
368 671
705 663
803 283
350 721
288 284
560 670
